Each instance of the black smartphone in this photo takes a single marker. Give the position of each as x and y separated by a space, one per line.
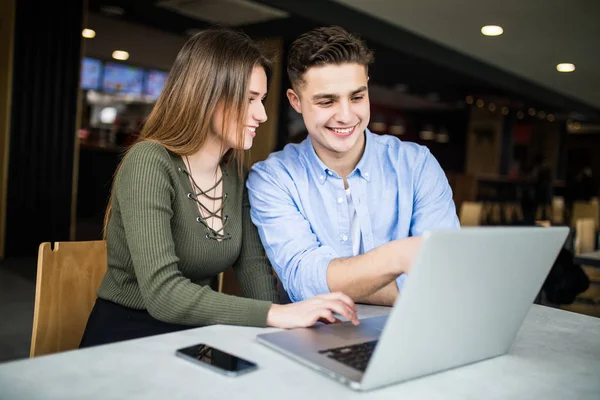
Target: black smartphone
217 360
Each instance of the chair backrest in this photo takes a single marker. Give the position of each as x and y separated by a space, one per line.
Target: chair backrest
558 210
585 235
586 209
470 213
67 279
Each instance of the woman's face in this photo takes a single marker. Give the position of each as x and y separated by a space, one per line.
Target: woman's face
257 90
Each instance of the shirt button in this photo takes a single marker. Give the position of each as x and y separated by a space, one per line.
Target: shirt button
340 200
366 174
321 177
345 238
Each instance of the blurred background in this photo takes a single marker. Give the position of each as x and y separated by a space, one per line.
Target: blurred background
506 95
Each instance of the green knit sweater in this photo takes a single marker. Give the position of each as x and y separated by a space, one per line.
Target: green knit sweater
159 258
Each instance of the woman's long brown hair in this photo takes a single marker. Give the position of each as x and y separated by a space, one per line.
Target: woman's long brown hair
213 66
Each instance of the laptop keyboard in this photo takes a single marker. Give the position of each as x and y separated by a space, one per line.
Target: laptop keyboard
356 356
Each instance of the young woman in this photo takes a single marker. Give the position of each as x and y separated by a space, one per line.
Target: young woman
179 211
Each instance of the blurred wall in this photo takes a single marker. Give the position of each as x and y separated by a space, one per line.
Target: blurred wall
484 138
7 19
45 90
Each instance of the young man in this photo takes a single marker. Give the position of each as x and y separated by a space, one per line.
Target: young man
344 209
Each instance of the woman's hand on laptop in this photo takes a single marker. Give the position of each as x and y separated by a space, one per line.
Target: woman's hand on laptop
308 312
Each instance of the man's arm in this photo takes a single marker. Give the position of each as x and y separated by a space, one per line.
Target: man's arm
433 209
386 296
371 276
306 267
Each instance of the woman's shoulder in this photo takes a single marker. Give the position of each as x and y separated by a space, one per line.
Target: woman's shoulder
147 150
146 158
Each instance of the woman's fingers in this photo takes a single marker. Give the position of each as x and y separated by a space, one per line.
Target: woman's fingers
340 308
326 315
342 297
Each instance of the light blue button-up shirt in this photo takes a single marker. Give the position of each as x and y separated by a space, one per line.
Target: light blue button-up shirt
398 190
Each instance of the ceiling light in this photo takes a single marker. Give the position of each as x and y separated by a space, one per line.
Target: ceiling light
480 103
550 118
120 55
492 107
88 33
492 30
565 67
532 111
504 110
469 99
520 114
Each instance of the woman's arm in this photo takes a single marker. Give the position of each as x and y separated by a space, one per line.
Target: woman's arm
252 269
144 192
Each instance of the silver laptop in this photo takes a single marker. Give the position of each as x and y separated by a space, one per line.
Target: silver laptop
464 301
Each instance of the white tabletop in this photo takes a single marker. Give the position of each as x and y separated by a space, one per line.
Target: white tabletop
555 356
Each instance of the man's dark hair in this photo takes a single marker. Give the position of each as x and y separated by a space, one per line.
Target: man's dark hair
326 45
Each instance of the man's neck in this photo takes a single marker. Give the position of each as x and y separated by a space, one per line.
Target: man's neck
342 163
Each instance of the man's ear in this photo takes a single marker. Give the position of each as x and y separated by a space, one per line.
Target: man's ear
294 100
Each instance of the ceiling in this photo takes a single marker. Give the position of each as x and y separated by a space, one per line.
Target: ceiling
538 34
225 12
422 48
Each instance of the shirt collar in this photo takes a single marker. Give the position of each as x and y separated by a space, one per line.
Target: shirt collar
322 172
368 160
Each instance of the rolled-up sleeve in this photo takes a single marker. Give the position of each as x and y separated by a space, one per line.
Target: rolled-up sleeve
299 259
400 281
433 207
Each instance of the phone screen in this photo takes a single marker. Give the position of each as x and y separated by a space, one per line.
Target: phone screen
217 358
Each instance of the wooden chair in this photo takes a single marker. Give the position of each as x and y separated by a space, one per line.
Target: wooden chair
67 279
586 209
585 235
512 213
558 210
471 213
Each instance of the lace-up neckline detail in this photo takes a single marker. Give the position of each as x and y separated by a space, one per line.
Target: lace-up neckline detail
196 194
